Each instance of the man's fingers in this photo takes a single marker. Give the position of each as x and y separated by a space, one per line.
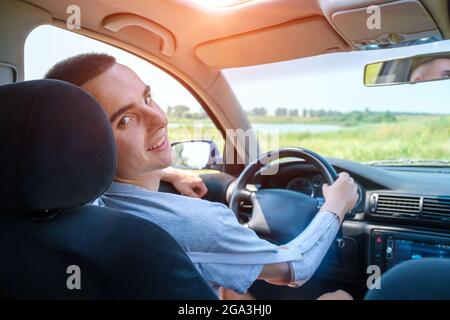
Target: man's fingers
345 178
344 174
199 192
186 191
195 190
200 188
202 191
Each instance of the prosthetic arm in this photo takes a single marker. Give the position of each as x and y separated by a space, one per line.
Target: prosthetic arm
312 245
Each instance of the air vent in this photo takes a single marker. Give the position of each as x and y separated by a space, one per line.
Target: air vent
436 208
398 206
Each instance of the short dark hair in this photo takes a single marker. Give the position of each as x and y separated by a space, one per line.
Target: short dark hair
81 68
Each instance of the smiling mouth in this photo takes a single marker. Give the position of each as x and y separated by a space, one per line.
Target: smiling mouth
159 144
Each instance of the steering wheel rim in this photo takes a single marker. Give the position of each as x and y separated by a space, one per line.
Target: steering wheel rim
240 193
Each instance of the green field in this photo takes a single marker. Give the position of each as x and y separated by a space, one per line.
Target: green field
412 137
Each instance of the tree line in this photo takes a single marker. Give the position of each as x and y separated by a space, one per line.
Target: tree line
182 111
285 112
349 118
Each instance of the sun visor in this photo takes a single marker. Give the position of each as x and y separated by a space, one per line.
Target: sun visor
295 39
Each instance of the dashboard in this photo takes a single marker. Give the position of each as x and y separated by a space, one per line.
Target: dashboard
405 213
403 195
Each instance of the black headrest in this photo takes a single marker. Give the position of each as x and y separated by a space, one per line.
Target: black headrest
57 146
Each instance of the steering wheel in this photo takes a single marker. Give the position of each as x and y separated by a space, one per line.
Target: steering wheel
279 215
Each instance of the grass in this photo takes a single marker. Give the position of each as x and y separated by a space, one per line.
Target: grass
413 137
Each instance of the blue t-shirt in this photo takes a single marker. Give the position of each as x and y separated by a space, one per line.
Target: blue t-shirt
226 253
198 226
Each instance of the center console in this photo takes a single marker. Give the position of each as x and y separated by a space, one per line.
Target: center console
388 248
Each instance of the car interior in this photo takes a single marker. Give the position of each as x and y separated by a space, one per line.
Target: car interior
50 168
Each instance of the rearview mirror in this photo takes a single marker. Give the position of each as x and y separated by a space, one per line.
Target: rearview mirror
429 67
196 155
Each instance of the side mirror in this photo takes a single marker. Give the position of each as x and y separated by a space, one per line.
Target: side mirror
428 67
196 155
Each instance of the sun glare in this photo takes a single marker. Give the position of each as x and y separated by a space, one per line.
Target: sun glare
218 3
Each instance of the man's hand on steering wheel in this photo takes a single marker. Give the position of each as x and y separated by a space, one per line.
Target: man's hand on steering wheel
341 196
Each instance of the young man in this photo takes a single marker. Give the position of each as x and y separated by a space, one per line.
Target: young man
226 253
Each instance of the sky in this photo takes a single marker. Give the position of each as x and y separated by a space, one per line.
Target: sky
47 45
335 81
332 81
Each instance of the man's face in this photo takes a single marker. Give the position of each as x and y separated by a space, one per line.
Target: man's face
436 69
139 125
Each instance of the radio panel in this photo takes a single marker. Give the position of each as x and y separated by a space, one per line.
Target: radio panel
389 248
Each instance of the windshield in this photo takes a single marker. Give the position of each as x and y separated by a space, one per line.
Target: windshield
321 103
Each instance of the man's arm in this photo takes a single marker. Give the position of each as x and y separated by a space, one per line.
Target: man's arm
250 257
187 183
339 199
